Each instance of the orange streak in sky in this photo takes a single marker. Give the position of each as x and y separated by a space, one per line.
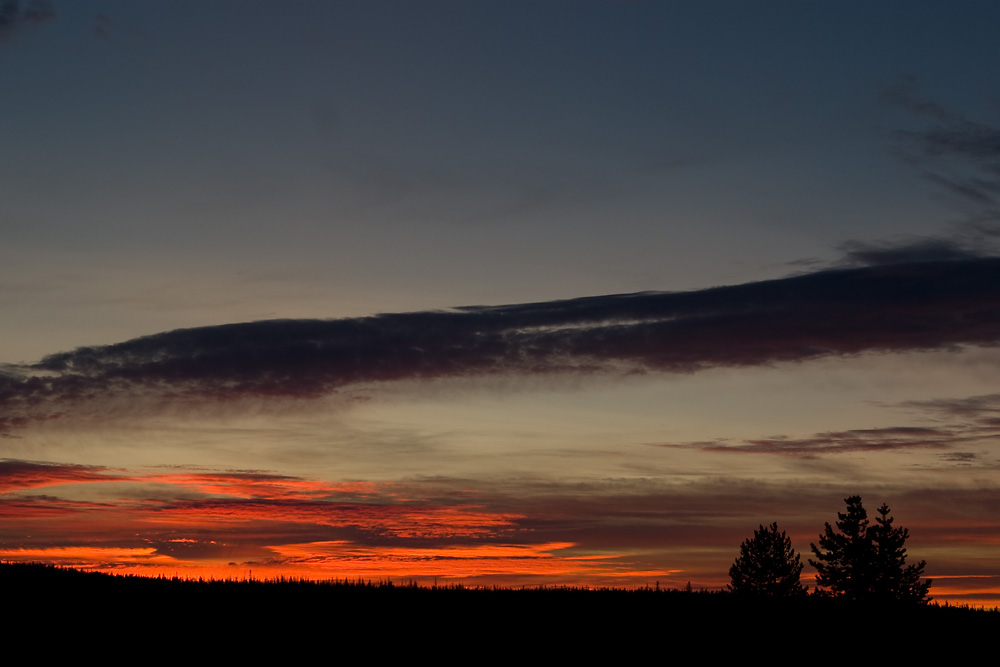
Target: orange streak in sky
254 485
395 520
345 560
84 557
227 524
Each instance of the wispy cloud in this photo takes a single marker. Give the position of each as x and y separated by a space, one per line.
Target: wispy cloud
14 18
831 442
957 153
908 250
983 409
199 512
17 475
102 25
975 419
891 308
205 519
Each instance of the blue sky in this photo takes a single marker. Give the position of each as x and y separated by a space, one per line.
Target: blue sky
379 157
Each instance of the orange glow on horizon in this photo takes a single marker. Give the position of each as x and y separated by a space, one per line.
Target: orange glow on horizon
84 558
238 524
511 565
342 560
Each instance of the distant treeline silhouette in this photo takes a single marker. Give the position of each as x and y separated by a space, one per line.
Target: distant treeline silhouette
245 616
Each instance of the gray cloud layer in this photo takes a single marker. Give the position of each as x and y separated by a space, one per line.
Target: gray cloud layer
897 307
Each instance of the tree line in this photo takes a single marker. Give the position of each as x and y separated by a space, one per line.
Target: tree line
855 560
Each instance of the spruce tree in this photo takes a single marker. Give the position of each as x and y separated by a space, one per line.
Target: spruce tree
860 561
843 562
894 580
767 565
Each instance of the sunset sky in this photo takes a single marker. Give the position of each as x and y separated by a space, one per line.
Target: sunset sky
519 292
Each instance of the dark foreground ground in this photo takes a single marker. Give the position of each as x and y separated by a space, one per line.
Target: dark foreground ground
251 618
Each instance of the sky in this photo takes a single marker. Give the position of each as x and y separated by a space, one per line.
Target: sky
519 293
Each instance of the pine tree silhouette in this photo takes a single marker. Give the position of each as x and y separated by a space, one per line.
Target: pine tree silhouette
767 565
894 580
860 561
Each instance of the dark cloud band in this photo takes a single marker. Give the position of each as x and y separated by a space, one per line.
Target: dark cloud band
899 307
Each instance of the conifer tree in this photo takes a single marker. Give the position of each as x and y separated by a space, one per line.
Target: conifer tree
860 561
843 556
894 580
767 565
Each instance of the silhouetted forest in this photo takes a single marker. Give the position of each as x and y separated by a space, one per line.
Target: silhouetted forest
562 620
